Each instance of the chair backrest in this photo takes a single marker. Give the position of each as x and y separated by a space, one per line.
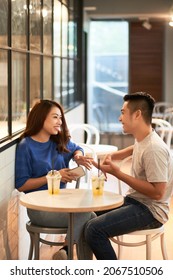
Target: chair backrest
168 115
160 108
164 129
81 130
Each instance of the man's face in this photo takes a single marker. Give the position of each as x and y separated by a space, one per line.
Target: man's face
126 118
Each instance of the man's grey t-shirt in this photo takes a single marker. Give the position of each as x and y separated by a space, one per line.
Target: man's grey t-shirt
152 162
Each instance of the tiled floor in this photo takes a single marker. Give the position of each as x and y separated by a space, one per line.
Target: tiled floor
135 253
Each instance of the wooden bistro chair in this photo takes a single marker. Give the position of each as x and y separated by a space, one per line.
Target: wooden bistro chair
36 234
149 235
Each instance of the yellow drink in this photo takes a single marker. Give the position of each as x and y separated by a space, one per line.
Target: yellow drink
53 181
98 185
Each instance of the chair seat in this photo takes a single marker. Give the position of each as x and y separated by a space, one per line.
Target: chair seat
35 239
149 234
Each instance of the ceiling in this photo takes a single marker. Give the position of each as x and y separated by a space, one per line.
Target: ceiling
129 9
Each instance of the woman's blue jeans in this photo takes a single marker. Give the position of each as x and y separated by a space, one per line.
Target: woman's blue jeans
131 216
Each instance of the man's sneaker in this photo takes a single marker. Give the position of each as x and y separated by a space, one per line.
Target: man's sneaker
60 255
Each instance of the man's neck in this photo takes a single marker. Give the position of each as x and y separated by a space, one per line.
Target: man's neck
142 133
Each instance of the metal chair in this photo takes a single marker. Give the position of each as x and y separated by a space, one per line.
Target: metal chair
35 238
35 235
148 234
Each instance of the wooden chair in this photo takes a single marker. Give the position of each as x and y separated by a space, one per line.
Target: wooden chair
35 238
36 235
149 235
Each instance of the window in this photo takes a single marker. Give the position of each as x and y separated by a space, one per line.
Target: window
38 58
108 70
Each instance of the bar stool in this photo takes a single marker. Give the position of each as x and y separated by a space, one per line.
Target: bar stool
35 238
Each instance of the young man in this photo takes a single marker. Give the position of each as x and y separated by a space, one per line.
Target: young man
147 202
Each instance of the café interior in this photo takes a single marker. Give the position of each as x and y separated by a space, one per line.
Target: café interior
47 52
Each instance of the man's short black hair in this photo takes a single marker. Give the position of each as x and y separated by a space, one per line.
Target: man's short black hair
141 101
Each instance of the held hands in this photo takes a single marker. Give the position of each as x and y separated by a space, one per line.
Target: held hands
83 160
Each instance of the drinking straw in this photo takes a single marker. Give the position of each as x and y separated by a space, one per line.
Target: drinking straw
52 174
53 166
98 167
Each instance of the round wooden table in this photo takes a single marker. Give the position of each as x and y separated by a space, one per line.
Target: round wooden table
71 201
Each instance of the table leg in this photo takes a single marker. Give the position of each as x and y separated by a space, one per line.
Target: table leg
71 238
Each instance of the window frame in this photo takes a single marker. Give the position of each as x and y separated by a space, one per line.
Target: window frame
73 8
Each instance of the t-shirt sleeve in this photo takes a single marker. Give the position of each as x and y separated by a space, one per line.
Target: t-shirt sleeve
23 168
73 147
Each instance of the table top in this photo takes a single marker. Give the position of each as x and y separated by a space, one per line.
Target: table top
71 201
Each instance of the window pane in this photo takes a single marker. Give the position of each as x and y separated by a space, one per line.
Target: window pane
3 94
47 78
34 79
75 39
108 71
18 26
64 30
35 25
47 26
18 91
71 39
57 28
71 81
64 82
57 79
3 22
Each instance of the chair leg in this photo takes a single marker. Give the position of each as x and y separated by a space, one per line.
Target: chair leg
36 246
163 246
31 246
148 247
120 247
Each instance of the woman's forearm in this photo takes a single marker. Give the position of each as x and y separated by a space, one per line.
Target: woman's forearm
33 184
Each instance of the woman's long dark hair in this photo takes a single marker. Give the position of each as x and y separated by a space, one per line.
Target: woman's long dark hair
36 119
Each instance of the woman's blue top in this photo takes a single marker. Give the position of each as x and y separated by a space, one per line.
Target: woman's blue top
35 159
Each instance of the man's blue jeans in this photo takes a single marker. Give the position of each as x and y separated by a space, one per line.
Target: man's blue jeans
131 216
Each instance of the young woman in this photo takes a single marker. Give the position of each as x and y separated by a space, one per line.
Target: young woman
45 145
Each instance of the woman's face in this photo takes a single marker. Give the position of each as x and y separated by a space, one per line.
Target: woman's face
53 121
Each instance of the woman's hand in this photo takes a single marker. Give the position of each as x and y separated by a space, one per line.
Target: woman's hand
83 160
67 175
